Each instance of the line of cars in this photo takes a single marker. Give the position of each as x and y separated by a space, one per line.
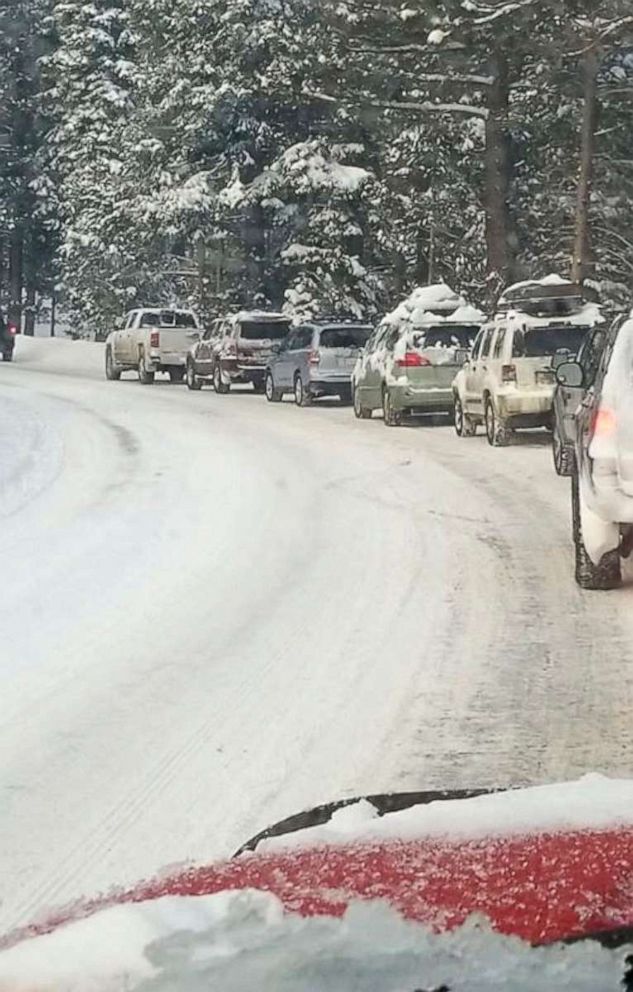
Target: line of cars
543 360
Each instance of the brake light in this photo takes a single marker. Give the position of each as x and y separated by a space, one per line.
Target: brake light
12 328
154 339
315 357
604 422
412 360
508 373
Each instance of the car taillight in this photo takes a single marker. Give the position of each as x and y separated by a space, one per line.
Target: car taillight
315 357
412 360
12 328
604 422
154 339
508 373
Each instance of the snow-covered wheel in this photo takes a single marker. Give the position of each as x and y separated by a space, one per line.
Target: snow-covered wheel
360 411
193 382
464 426
146 377
302 396
607 574
273 395
112 371
177 375
497 433
219 385
562 454
392 418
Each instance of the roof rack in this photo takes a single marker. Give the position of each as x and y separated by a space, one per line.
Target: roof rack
537 299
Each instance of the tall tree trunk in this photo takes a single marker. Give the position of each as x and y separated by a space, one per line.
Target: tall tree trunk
500 253
583 262
14 310
29 309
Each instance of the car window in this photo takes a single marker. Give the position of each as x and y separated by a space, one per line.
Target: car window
446 336
477 346
130 319
590 354
343 337
485 344
208 333
518 344
304 337
499 341
392 336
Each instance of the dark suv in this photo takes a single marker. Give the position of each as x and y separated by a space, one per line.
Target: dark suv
235 349
7 339
568 398
602 479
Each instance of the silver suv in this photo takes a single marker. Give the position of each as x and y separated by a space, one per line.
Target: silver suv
316 359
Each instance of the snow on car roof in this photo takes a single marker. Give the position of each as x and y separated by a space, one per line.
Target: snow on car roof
592 802
262 315
433 305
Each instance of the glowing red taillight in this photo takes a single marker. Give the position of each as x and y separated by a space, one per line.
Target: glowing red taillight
412 360
154 339
12 328
315 357
604 422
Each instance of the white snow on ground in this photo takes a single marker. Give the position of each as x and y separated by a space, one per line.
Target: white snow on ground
216 612
593 802
238 941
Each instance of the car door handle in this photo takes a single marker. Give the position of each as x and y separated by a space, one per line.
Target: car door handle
484 368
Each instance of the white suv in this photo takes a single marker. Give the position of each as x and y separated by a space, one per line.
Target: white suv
508 381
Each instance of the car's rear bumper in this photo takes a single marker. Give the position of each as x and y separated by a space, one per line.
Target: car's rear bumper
166 360
533 404
421 399
332 385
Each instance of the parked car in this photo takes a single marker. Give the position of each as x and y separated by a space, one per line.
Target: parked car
316 359
8 331
236 349
508 381
150 340
602 479
568 398
409 363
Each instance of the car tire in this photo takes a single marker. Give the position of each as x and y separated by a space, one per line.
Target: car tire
222 388
193 382
562 454
464 425
176 375
112 372
144 375
7 356
302 396
272 395
258 387
607 574
361 412
392 418
497 433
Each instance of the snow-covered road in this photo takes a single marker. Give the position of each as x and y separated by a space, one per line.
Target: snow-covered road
216 611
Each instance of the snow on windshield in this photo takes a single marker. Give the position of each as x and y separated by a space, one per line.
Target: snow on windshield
238 941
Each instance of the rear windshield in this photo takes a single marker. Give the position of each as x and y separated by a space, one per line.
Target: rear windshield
264 330
344 337
446 337
539 341
167 318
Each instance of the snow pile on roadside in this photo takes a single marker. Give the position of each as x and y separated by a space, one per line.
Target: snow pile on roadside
235 941
594 802
61 354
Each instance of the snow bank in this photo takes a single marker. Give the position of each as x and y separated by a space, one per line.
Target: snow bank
234 941
592 802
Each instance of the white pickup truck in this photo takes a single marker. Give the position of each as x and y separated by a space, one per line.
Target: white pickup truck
150 340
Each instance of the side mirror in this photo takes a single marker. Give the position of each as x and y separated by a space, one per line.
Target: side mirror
570 374
194 335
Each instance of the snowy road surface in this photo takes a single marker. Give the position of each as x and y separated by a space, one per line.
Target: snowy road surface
215 611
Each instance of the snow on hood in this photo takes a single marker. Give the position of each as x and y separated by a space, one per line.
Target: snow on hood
592 802
433 305
234 941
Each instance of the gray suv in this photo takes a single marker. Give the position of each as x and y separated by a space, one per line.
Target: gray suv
316 359
567 398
